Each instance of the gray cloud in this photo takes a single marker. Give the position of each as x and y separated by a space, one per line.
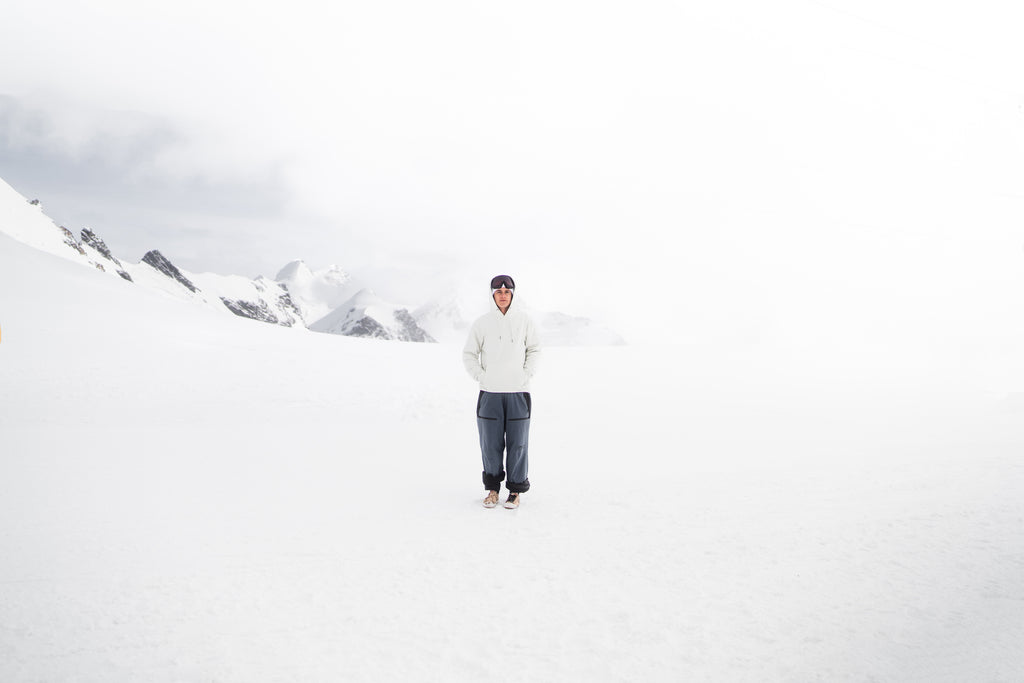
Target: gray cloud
112 174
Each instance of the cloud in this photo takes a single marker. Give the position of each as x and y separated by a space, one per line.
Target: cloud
125 174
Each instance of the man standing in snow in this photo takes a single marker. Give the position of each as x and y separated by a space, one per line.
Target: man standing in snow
501 354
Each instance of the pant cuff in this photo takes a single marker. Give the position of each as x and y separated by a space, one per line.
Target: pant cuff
492 482
518 487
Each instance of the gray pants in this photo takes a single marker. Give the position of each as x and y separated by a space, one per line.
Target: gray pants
504 424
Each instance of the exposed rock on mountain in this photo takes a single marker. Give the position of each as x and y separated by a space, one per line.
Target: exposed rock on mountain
284 301
261 299
256 311
409 329
25 221
274 307
69 239
93 241
366 315
159 261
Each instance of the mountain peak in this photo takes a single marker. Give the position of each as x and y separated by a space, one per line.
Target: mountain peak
335 276
367 315
295 271
363 298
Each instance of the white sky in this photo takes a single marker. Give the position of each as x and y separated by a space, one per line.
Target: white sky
761 169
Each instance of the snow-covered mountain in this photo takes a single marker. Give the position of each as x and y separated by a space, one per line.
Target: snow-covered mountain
367 315
329 300
25 221
318 293
91 242
447 318
261 299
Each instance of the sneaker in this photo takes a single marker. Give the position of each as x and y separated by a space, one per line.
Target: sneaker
513 501
491 500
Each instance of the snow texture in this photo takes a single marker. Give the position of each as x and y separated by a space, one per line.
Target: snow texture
187 496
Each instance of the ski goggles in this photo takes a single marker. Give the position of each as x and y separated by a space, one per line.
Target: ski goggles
505 281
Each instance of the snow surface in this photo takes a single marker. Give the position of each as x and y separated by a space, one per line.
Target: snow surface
188 496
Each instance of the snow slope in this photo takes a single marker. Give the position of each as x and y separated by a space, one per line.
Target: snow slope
187 496
26 222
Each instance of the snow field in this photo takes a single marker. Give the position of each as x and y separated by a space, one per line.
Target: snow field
190 497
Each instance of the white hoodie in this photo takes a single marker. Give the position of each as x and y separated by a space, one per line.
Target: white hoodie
502 351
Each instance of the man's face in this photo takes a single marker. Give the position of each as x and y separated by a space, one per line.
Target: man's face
503 297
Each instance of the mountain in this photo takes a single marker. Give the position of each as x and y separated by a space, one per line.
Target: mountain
367 315
330 300
447 319
91 241
317 293
261 299
25 221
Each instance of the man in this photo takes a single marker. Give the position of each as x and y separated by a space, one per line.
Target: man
501 354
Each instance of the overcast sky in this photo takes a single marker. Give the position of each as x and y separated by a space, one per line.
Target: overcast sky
760 169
